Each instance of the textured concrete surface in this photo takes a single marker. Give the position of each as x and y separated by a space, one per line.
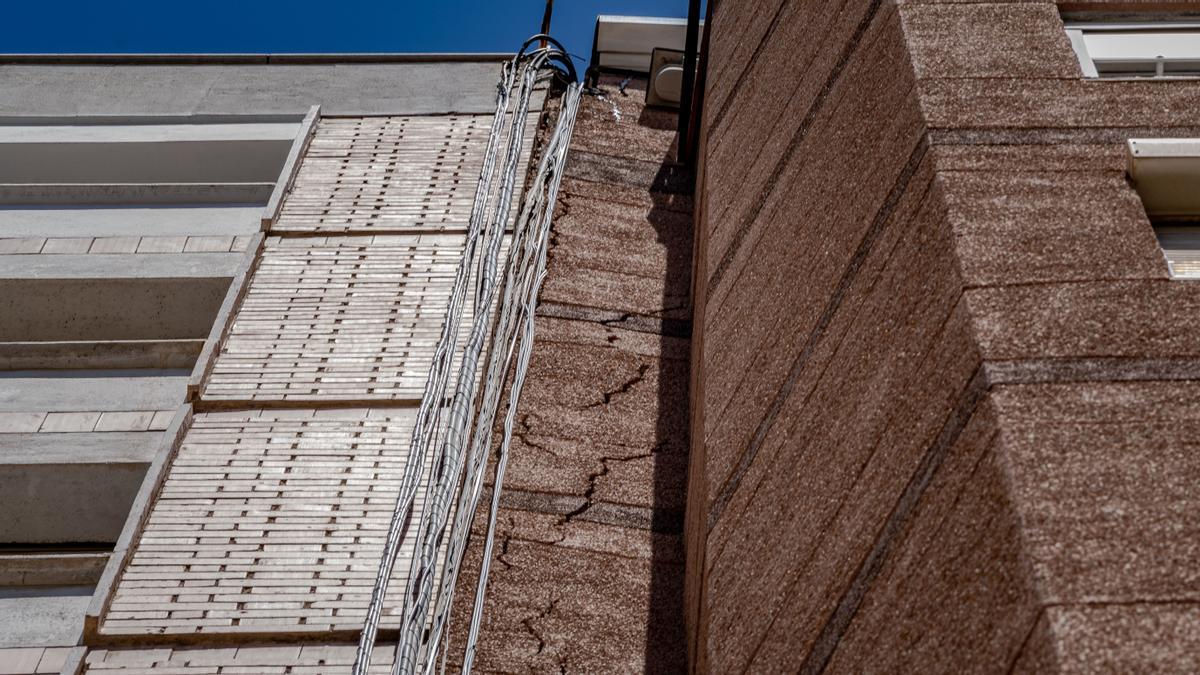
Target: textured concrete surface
941 383
588 568
1133 638
42 616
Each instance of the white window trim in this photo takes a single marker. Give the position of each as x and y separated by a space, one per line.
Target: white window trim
1077 32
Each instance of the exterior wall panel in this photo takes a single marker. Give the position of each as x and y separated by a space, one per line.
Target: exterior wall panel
873 487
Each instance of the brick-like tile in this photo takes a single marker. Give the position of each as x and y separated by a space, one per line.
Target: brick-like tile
398 172
341 318
20 661
161 420
115 245
314 658
161 244
53 659
268 522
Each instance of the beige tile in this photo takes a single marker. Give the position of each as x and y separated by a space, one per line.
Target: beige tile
20 661
22 245
208 244
162 420
161 245
70 422
20 422
125 421
115 245
53 659
64 245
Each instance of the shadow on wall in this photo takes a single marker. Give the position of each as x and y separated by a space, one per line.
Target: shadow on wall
671 218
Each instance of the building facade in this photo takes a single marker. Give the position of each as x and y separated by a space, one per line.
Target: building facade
898 377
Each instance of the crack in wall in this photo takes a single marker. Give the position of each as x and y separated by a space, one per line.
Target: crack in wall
525 431
528 624
607 397
594 482
502 557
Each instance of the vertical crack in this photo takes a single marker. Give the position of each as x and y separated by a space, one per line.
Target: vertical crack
532 630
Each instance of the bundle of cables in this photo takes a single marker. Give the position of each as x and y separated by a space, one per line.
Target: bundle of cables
453 432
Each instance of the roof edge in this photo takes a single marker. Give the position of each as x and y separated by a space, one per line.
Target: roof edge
248 59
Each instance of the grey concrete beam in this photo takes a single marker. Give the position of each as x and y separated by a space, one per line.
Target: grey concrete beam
93 448
70 391
100 355
401 88
254 59
113 135
129 221
49 268
42 616
118 220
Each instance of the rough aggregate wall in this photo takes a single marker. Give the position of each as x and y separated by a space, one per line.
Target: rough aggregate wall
587 572
937 406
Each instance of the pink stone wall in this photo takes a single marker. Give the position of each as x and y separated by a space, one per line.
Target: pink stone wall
940 374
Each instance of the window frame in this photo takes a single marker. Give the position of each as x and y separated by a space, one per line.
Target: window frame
1077 33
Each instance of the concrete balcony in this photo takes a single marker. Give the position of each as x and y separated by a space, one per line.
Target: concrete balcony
74 447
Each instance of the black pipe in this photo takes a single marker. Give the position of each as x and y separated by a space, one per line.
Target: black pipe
690 146
689 76
546 19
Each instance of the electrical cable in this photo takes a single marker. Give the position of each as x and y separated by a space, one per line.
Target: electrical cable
454 472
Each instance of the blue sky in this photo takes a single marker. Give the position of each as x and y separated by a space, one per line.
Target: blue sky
76 26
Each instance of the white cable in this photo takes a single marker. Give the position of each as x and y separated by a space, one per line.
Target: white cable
435 384
522 273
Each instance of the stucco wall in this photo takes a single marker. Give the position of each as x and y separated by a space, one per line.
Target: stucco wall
940 379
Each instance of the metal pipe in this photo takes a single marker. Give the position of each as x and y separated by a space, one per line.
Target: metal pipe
689 75
546 20
689 146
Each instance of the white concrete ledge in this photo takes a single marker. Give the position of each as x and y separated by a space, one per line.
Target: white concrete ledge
85 391
341 85
86 449
48 268
129 221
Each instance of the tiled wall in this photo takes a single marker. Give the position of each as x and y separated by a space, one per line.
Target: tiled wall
270 519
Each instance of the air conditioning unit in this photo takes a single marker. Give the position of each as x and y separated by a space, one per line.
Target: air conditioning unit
665 78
